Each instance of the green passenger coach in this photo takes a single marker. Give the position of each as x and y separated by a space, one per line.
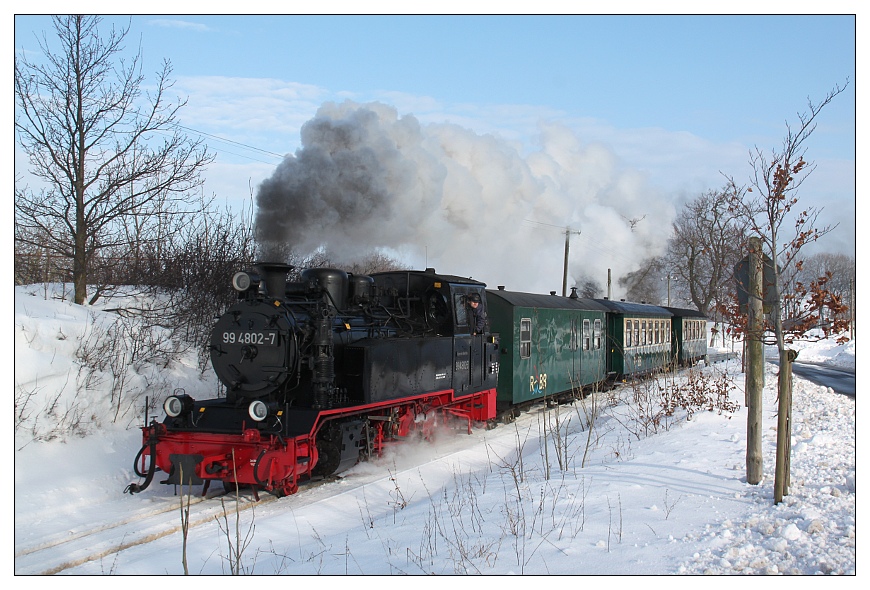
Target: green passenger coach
689 336
640 338
549 345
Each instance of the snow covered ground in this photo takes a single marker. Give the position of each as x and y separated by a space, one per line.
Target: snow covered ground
624 497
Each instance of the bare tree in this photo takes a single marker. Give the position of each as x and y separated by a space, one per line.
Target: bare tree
772 213
839 269
707 241
644 284
373 262
110 155
197 271
588 287
770 208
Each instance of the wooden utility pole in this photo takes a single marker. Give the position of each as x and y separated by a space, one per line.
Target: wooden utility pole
565 266
568 233
755 365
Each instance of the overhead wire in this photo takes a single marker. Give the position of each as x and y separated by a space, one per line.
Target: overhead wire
224 139
588 244
218 138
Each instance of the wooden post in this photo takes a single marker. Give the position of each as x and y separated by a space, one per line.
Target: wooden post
755 365
782 475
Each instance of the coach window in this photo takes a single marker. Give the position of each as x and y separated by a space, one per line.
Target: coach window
459 309
637 332
627 333
587 336
596 334
525 338
643 334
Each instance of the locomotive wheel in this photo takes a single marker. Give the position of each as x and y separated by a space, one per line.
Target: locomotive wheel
328 452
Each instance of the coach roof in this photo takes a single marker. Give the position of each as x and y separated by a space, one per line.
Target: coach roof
518 299
634 309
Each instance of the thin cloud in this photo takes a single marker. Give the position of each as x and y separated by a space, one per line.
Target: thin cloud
179 24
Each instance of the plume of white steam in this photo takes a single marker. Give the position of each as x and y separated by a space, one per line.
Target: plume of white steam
466 204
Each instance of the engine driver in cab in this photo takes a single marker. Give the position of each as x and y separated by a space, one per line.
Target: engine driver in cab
478 315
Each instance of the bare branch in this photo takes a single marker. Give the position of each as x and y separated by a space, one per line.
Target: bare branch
109 153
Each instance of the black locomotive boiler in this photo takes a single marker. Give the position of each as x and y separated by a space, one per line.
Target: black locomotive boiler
320 372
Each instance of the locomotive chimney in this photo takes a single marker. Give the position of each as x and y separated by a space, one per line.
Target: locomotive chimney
274 278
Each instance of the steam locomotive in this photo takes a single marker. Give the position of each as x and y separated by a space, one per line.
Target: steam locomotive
321 371
333 368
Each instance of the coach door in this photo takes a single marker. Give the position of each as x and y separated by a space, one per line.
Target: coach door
468 350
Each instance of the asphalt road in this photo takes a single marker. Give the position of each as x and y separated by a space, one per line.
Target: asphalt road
840 380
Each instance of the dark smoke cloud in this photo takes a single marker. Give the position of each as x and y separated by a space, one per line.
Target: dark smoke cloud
344 187
445 196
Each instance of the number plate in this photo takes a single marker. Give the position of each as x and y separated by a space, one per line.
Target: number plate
256 338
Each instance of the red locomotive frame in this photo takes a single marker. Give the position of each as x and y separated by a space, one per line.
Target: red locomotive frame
279 465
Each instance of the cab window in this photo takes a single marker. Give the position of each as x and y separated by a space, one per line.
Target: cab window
460 310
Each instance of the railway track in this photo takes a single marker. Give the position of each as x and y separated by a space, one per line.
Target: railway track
65 551
61 553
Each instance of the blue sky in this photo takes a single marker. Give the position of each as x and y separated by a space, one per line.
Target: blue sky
674 102
687 73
